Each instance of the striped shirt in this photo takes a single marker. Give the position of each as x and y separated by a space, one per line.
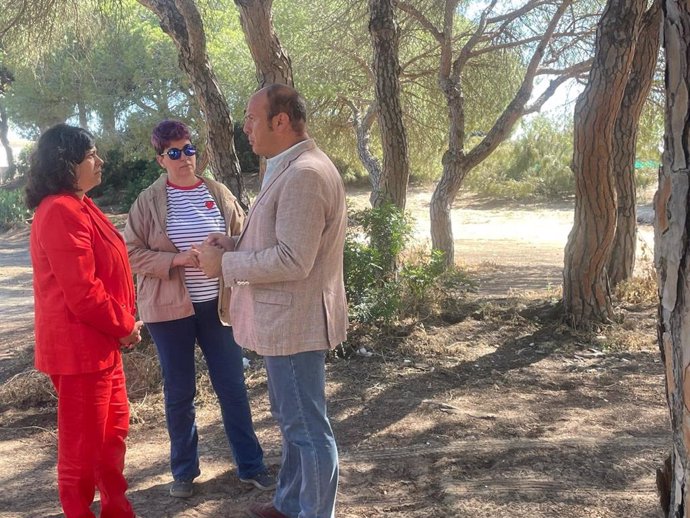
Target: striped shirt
192 216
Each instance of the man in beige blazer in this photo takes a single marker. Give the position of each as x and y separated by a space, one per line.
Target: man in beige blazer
285 272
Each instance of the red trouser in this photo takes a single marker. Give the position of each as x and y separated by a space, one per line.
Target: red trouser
93 420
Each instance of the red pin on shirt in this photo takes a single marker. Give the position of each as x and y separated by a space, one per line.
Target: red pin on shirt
210 204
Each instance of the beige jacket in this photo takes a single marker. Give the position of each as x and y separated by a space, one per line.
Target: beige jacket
161 291
286 272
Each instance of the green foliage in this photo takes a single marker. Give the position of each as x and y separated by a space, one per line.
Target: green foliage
649 141
377 294
330 48
366 264
352 174
229 54
119 76
650 132
421 276
372 294
534 165
124 179
389 229
22 160
12 208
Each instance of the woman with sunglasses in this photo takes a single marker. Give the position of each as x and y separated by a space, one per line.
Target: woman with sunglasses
180 305
84 312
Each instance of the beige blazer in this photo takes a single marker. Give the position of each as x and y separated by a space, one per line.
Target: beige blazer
286 273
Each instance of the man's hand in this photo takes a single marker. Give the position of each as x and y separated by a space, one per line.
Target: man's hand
220 240
210 259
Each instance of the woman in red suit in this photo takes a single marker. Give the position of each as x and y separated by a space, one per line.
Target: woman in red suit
84 310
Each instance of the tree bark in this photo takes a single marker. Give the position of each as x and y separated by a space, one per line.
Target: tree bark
671 226
362 126
586 292
182 21
622 261
395 174
5 141
272 62
456 161
82 112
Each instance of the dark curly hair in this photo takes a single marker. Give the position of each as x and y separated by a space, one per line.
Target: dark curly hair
51 166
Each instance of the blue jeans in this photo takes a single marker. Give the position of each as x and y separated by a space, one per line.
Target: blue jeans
175 341
308 478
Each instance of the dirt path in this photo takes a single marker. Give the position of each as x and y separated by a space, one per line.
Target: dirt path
501 414
16 302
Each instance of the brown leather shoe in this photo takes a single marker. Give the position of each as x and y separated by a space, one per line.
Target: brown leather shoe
264 511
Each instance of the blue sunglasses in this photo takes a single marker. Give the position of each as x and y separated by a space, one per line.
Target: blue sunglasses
175 154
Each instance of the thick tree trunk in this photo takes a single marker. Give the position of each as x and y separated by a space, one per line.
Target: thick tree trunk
586 293
5 141
108 122
457 162
671 226
440 208
181 20
385 37
622 261
272 62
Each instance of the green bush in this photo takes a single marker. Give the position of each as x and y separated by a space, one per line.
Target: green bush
381 286
22 161
12 209
123 179
419 277
389 230
535 165
380 234
356 176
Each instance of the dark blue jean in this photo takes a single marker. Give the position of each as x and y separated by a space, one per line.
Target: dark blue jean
175 341
308 478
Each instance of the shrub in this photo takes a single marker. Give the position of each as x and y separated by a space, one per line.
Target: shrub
386 280
419 278
371 248
536 165
356 176
123 179
12 208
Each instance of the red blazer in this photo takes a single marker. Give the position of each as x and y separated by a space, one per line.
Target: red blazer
83 290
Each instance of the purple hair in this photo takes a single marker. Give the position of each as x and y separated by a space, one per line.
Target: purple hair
167 131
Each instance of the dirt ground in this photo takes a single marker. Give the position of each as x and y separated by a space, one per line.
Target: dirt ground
495 409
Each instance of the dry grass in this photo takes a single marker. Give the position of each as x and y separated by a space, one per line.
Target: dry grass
142 370
640 290
27 389
453 322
